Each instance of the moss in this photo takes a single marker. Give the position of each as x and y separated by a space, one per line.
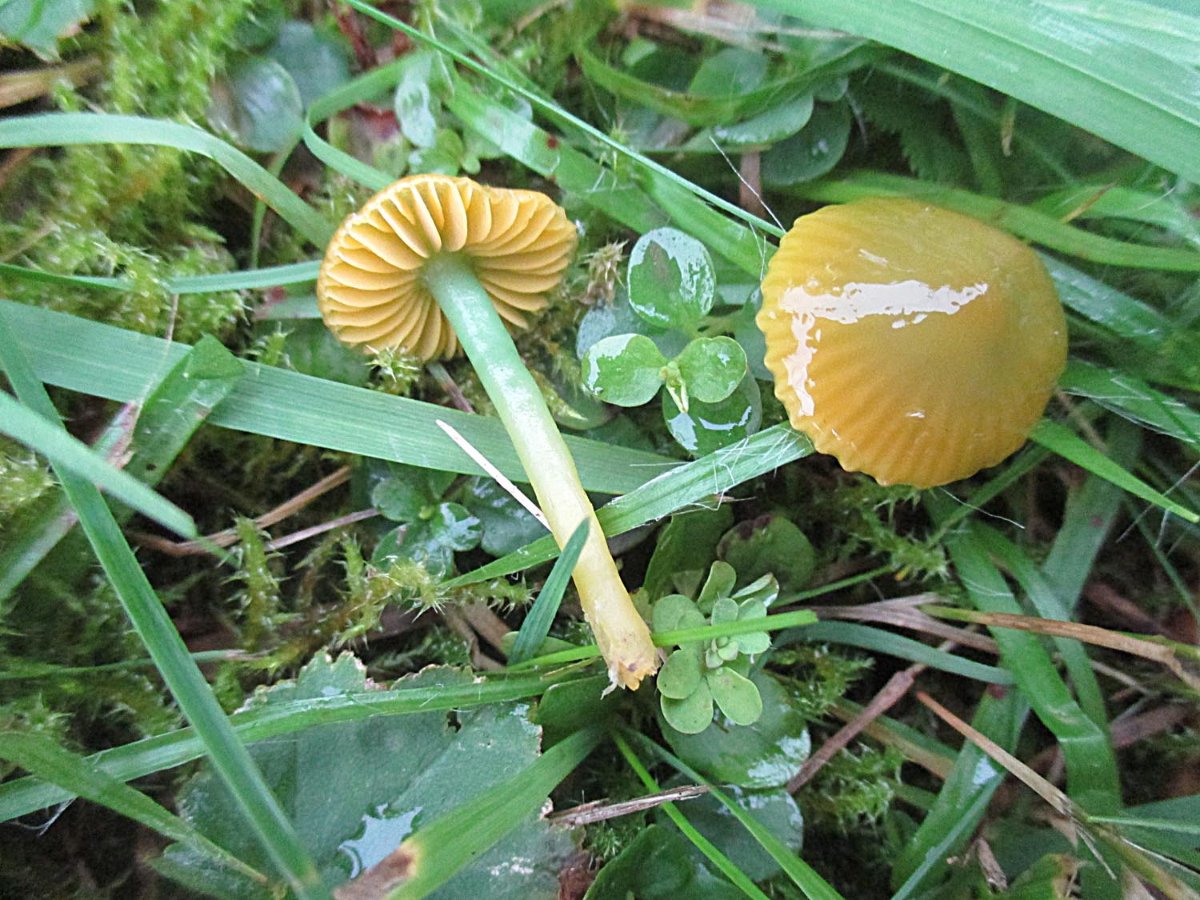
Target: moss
122 209
23 478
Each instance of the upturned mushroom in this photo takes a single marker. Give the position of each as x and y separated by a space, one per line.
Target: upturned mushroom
914 344
433 263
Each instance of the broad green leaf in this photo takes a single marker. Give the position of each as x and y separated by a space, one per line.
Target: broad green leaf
399 499
460 837
770 544
625 369
780 121
762 755
718 585
351 812
675 612
756 641
671 279
811 152
735 695
729 71
175 748
455 527
691 714
317 63
724 611
432 539
774 810
707 427
416 104
712 368
658 864
680 675
311 350
506 524
38 24
258 105
684 548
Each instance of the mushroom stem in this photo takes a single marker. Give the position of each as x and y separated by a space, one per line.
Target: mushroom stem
621 633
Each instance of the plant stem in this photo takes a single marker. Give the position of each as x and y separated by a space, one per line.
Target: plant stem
621 633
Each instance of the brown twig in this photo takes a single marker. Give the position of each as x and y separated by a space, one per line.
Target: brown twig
905 612
450 386
228 537
897 686
600 811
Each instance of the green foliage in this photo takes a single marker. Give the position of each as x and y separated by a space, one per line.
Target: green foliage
23 478
695 676
367 809
431 530
853 790
647 127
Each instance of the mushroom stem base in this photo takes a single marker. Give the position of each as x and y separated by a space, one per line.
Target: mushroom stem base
621 633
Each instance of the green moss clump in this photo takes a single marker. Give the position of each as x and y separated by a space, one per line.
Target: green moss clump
23 478
124 209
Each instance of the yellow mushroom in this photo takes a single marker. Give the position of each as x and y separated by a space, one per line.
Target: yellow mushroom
914 344
431 263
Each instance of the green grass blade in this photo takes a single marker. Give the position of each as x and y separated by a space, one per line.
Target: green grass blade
1095 77
1091 767
691 483
450 842
1070 446
774 622
365 87
167 420
1048 604
1133 399
710 850
831 60
123 365
801 874
963 799
180 673
1119 313
1023 221
42 757
61 129
69 453
249 279
541 615
851 634
165 751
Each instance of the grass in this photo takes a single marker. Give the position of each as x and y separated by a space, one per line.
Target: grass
1072 129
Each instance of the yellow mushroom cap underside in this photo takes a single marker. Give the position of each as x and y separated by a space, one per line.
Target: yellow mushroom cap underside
915 344
371 292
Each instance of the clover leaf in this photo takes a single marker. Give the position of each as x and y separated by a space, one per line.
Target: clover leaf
701 676
431 530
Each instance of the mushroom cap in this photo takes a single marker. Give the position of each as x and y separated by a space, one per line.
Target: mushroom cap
915 344
370 289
